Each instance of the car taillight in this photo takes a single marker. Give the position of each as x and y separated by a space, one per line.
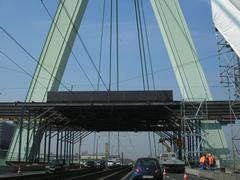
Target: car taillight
138 170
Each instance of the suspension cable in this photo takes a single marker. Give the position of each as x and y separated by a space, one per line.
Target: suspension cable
74 56
131 143
139 44
117 44
31 56
110 42
101 43
148 46
20 67
142 44
81 41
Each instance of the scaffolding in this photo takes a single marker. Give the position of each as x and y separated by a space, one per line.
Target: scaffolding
229 67
188 141
47 127
193 113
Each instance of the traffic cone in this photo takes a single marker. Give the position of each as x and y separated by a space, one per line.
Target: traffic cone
164 172
185 176
19 170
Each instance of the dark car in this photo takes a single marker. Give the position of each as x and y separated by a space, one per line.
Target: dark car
147 168
57 165
90 164
101 164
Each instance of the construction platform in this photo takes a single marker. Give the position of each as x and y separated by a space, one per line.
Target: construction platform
118 111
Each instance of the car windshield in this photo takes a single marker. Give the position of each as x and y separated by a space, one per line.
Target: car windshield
147 162
90 162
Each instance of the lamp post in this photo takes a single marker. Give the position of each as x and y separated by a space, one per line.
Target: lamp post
98 137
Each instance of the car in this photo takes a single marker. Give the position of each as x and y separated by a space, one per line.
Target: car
57 165
90 164
81 164
147 168
110 163
118 163
101 164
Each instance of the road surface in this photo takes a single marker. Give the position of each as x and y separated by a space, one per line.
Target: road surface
173 176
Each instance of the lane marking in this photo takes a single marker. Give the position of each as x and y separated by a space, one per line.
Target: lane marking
126 176
112 174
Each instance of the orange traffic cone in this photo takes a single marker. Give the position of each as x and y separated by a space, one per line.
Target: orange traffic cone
185 176
164 172
19 170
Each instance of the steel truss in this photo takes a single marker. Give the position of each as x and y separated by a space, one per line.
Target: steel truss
42 130
193 136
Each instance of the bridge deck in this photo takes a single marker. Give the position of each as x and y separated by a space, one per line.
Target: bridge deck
114 115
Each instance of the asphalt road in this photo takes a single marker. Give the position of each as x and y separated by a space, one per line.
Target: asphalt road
173 176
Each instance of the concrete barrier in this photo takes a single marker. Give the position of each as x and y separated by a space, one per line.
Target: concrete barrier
212 175
11 169
14 169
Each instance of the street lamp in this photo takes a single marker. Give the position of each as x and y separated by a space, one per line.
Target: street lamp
98 137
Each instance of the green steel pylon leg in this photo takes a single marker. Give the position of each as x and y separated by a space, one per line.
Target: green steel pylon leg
52 62
188 71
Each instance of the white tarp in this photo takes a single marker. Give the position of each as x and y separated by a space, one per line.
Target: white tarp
226 17
236 3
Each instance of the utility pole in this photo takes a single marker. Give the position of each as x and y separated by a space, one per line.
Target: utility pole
122 158
80 145
106 151
94 143
97 147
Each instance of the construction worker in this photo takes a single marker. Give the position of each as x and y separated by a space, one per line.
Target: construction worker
211 161
207 161
202 162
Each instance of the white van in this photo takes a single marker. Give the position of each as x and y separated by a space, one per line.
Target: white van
110 163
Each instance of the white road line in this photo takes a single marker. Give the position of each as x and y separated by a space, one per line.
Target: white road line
126 177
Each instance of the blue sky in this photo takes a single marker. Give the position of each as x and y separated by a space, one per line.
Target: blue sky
29 23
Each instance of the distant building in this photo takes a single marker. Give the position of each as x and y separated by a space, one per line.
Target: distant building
91 157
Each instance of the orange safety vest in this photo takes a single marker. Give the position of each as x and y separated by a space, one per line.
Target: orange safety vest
210 160
202 159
